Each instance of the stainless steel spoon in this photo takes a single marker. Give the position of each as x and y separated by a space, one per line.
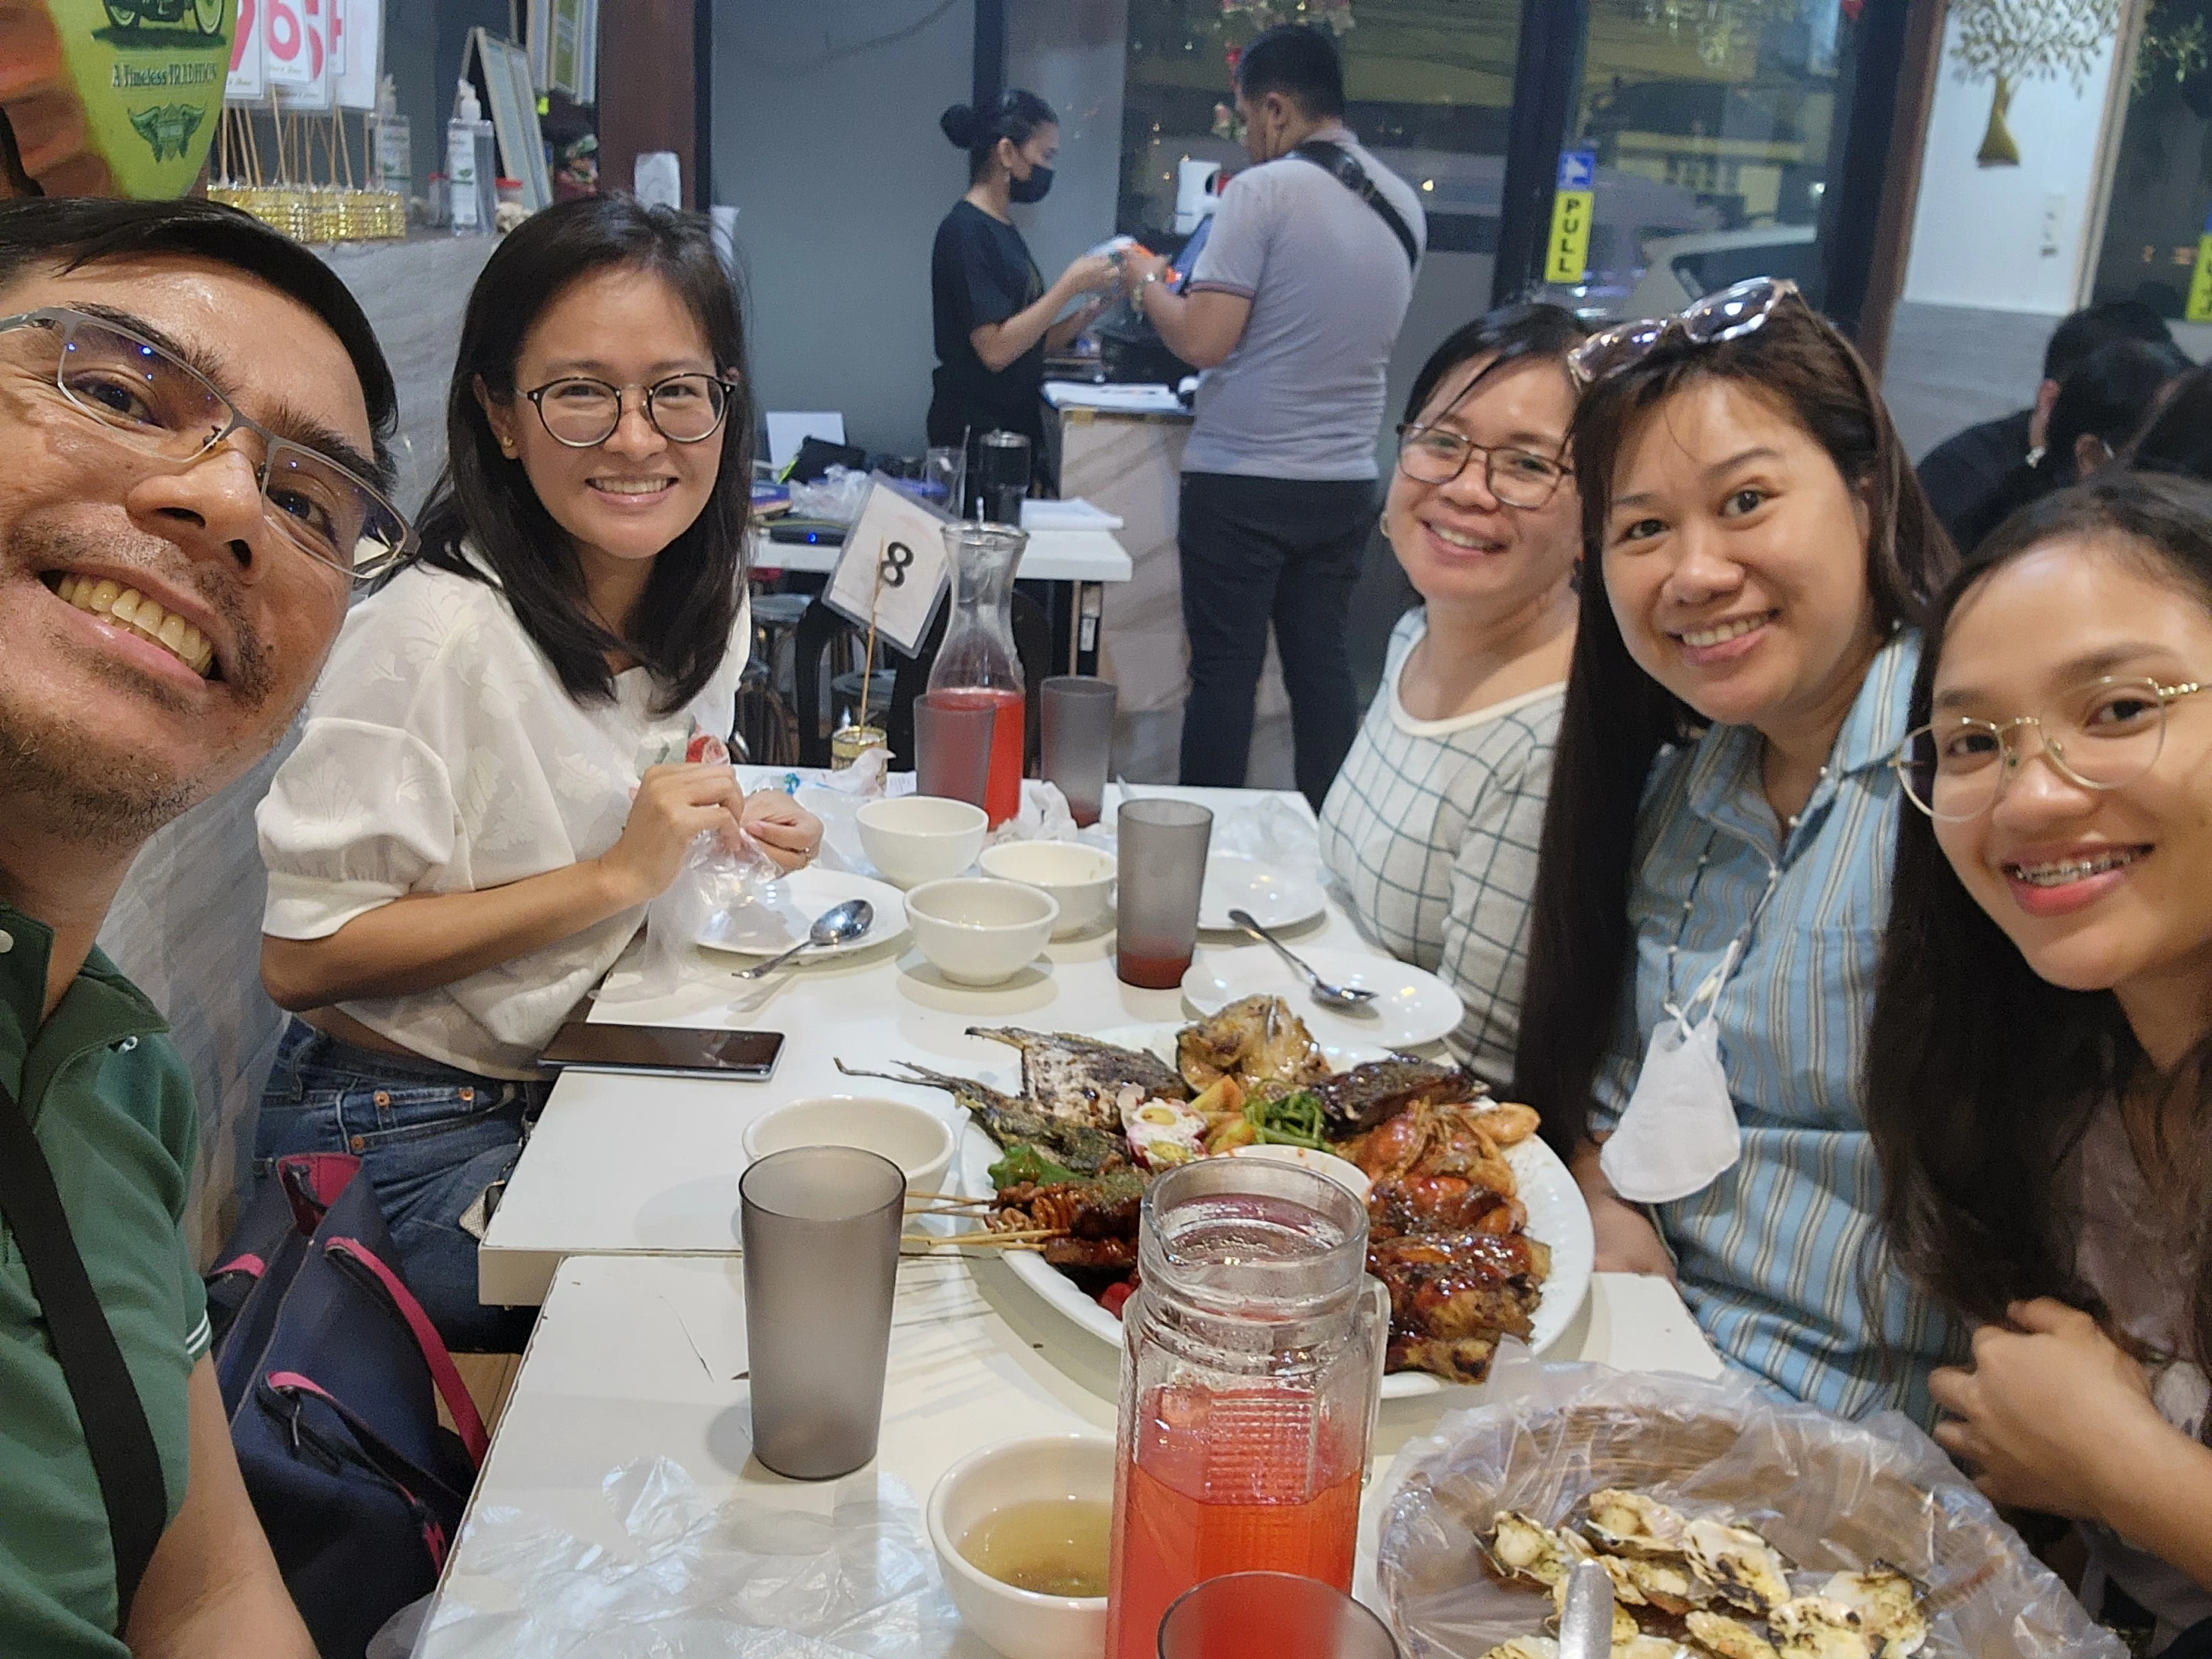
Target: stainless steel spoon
1586 1621
1331 996
835 925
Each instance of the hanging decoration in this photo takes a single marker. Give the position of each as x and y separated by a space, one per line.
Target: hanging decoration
2006 42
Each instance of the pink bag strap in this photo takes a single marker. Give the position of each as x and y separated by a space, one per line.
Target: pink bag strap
443 1372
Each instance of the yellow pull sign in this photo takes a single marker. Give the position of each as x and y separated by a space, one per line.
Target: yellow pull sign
1566 257
2199 308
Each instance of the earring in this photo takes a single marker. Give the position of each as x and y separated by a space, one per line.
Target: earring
507 448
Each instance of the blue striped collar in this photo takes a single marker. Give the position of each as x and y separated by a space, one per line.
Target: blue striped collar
1724 788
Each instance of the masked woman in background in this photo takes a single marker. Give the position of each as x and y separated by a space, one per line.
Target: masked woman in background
995 318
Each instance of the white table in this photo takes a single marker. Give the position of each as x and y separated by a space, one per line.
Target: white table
649 1166
1052 556
1081 560
637 1356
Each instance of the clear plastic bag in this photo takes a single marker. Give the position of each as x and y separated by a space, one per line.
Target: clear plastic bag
837 496
696 1581
722 892
1828 1493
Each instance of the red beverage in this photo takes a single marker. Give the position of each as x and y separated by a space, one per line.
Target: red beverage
1002 796
1226 1482
1151 971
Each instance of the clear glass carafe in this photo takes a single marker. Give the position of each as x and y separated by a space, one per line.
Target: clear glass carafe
977 664
1251 1371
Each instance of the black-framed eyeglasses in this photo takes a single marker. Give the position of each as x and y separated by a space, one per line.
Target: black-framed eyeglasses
146 398
581 412
1729 315
1517 477
2104 734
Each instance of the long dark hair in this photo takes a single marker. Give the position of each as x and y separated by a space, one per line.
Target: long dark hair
2177 438
1617 717
681 628
1510 334
1017 115
1981 1075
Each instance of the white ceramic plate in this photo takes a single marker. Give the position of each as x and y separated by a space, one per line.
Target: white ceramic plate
1276 898
1556 1217
1411 1008
763 929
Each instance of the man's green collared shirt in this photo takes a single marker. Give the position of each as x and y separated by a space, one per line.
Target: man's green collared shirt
111 1105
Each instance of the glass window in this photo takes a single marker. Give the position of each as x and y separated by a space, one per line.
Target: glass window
1713 124
2155 224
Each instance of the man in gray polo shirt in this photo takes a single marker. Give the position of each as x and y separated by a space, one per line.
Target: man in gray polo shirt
1292 311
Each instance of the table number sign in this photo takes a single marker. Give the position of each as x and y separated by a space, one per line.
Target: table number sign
894 569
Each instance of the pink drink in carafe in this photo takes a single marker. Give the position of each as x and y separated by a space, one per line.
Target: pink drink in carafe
977 663
1249 1377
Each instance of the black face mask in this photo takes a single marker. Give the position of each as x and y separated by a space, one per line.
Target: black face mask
1031 189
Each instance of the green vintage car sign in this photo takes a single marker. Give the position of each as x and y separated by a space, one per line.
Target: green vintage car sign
149 75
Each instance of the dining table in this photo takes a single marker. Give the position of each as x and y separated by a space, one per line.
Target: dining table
620 1222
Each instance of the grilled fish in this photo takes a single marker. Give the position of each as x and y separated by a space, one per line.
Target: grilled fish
1361 1098
1081 1078
1011 1121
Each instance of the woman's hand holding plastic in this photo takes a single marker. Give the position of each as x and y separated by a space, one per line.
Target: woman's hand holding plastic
674 806
2053 1415
1092 273
785 832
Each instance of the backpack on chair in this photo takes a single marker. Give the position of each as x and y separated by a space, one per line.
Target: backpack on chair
331 1373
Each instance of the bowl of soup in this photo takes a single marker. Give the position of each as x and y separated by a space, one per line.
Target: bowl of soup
1022 1530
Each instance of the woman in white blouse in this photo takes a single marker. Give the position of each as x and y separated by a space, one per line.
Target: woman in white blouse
1431 827
519 737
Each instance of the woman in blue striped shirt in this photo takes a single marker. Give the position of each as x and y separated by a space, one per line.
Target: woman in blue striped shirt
1715 869
2039 1092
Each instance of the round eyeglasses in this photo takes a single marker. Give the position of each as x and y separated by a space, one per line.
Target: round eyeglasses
144 397
1729 315
581 412
2104 735
1517 477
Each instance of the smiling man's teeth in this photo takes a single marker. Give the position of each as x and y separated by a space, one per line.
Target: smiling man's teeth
1702 637
142 616
1473 544
632 486
2059 872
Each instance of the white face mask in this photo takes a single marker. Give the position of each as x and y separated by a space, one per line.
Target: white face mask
1679 1134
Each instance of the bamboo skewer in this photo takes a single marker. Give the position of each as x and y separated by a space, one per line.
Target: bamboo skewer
984 1235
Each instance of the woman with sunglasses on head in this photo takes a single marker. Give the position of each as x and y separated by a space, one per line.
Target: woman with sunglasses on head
1715 868
1431 827
2039 1086
519 737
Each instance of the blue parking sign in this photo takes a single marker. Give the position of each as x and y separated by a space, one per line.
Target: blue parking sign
1577 169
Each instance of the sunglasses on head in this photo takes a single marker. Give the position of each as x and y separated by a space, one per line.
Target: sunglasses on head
1729 315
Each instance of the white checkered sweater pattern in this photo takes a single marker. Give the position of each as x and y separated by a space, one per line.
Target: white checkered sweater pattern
1430 832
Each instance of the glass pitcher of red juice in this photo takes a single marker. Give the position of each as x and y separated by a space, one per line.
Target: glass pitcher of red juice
1251 1371
977 665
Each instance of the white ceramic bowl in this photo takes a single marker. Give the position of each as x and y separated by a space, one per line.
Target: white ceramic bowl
1021 1624
918 838
916 1138
978 930
1081 878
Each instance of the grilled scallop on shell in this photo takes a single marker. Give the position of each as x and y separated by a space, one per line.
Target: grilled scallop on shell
1526 1647
1521 1547
1629 1524
1744 1569
1817 1627
1728 1639
1888 1606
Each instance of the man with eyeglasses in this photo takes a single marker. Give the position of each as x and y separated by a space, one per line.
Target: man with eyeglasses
193 411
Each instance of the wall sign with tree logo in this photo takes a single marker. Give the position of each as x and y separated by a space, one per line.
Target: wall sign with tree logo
2006 42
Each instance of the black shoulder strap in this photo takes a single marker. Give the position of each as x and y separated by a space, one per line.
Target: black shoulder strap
116 1432
1336 160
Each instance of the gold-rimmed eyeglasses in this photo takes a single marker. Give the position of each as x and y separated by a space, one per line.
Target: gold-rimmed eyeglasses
2104 734
1517 477
580 412
145 397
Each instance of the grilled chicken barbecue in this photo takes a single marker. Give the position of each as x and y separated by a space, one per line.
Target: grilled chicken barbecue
1453 1295
1081 1078
1258 1041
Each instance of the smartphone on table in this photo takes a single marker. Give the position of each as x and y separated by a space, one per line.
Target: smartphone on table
679 1050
